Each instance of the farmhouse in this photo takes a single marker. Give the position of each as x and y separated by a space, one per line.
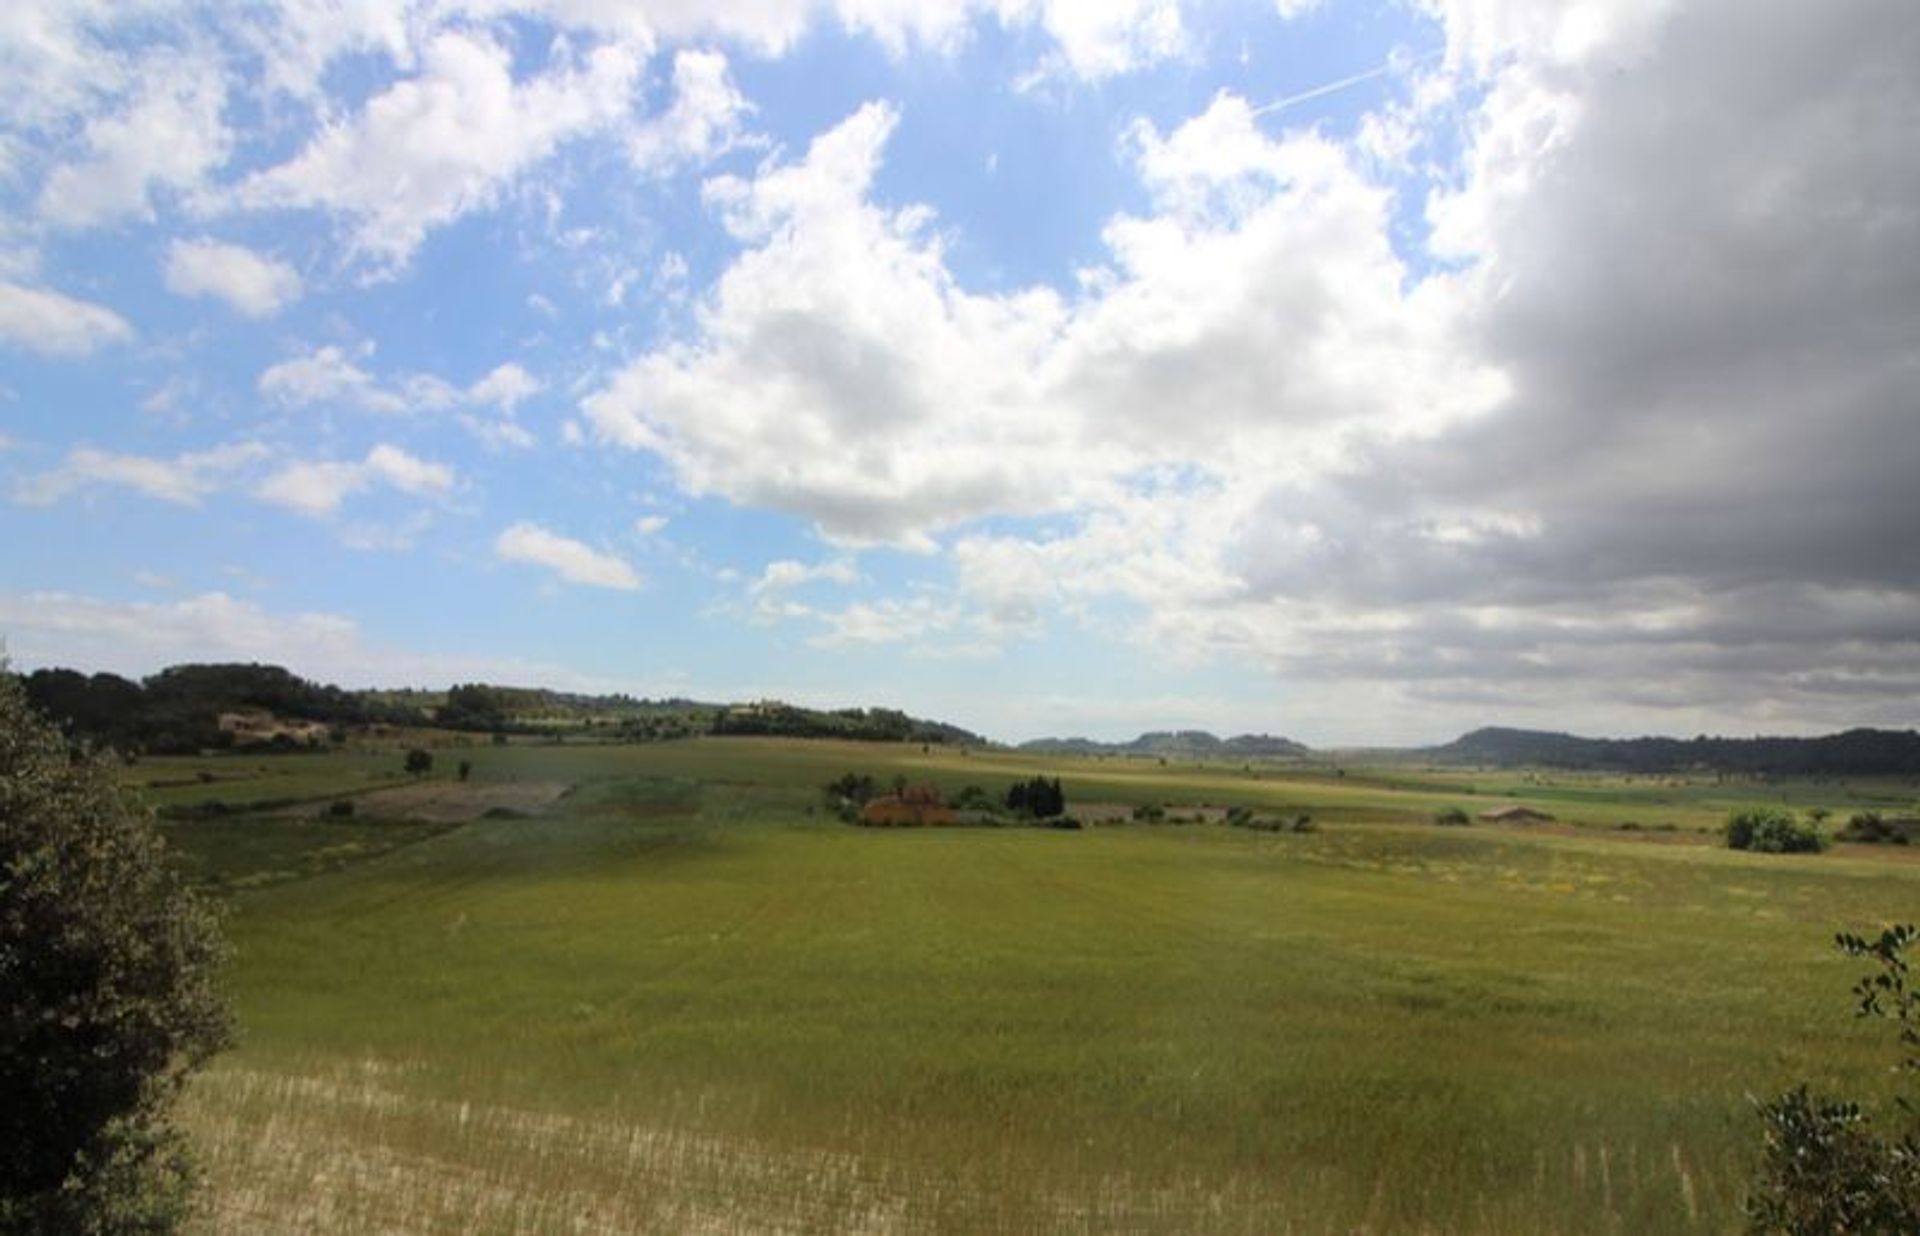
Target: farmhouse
258 726
912 806
1515 815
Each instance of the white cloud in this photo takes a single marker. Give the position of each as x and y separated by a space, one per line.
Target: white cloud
890 621
768 593
184 479
445 142
786 573
1106 38
331 375
504 387
252 285
327 375
571 560
56 325
1250 328
169 135
318 488
703 121
650 525
840 373
56 628
60 628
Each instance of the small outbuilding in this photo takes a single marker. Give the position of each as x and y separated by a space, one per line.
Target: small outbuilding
1515 815
914 806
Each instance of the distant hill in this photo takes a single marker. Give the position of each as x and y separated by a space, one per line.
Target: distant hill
864 724
1174 744
181 709
1854 752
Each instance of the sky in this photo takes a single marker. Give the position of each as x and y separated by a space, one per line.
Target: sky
1358 372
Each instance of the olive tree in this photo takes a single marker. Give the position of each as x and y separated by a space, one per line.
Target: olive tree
107 965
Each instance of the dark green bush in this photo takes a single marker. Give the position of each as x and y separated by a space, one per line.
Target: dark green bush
1452 817
1772 830
1874 829
1038 798
973 798
107 966
1824 1171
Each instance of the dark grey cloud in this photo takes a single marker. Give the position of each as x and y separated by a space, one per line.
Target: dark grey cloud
1705 484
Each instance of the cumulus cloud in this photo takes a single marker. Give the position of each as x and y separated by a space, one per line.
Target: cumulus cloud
183 479
703 121
444 142
1700 285
56 325
573 561
1105 38
332 376
251 285
505 387
1649 373
167 136
1253 324
318 488
840 374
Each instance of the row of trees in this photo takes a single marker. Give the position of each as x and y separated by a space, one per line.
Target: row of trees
1038 798
178 709
859 724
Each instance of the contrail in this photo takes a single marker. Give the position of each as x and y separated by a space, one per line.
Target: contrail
1391 65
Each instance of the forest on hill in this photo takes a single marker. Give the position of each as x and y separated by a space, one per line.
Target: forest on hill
181 708
1174 744
1855 752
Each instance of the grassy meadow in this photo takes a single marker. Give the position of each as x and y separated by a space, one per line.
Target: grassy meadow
681 996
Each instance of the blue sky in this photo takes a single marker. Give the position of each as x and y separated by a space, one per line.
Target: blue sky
1357 372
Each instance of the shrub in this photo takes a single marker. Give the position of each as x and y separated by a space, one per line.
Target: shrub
1824 1170
465 769
107 964
1452 817
850 790
419 761
1874 829
1303 823
974 798
1772 830
340 808
1149 813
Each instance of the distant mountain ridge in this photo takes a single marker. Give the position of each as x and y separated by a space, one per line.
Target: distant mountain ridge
1855 751
1180 744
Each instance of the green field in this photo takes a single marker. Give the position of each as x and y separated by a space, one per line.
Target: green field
683 997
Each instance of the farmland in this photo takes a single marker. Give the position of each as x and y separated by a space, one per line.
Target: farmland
672 992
